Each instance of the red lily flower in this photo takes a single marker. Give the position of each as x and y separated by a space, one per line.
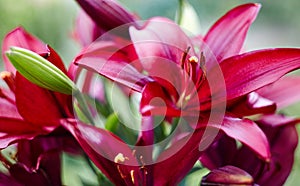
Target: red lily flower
171 48
280 131
31 110
175 84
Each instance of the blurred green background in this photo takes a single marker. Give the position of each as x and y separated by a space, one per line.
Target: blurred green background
278 25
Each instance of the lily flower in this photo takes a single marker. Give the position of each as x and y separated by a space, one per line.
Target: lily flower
280 131
177 81
29 112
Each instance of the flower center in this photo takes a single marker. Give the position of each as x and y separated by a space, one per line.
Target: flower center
195 74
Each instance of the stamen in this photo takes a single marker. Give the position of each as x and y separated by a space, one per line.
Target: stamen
120 159
202 63
9 79
132 176
183 57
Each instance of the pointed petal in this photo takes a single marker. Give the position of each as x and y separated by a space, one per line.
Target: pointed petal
247 132
168 43
7 105
250 71
13 130
253 104
20 38
35 104
86 31
175 162
107 14
283 92
105 59
226 37
284 141
104 148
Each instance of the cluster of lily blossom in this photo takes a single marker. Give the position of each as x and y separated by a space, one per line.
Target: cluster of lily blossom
228 99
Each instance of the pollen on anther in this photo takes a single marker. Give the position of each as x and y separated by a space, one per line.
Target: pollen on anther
120 158
193 59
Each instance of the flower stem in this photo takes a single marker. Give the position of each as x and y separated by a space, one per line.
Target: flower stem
83 106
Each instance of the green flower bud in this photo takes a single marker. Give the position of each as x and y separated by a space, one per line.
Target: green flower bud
40 71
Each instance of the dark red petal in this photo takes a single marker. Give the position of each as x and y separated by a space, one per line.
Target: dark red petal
221 153
13 130
64 101
155 101
35 104
283 141
226 37
146 140
8 180
247 132
228 175
102 147
175 162
20 38
250 71
252 104
284 92
49 174
107 14
106 59
276 120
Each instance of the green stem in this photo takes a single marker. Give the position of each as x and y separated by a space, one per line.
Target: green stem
83 106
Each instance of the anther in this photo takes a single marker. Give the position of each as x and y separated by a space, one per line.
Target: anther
183 57
193 59
120 158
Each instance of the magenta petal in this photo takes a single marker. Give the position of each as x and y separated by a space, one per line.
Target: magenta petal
7 106
168 43
226 37
254 70
20 38
107 14
284 92
104 58
247 132
13 130
86 31
103 148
